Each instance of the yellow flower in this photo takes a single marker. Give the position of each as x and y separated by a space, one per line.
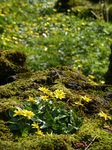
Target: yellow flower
18 112
83 23
110 39
91 44
44 90
78 10
68 10
102 82
49 134
54 10
79 28
2 15
87 99
104 115
16 28
28 114
59 94
49 93
35 125
60 3
31 99
91 76
39 132
79 103
44 98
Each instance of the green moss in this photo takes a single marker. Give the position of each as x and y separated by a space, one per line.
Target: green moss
89 129
56 142
92 128
11 63
74 84
5 133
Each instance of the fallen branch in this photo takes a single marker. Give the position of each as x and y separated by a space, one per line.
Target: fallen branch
90 143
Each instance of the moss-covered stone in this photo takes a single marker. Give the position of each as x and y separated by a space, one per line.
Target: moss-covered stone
75 85
11 63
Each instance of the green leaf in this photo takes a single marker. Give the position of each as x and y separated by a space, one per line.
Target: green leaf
44 126
14 127
11 113
25 132
59 117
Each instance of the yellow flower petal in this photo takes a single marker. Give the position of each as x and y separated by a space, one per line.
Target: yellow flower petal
104 115
44 90
59 94
49 134
18 112
31 99
39 132
28 114
44 98
87 99
79 103
35 125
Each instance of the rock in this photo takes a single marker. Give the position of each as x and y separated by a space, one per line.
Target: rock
11 63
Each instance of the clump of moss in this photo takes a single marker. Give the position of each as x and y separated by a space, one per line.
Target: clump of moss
94 128
4 131
56 142
11 63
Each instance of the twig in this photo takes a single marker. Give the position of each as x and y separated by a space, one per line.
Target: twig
95 14
67 102
90 143
58 74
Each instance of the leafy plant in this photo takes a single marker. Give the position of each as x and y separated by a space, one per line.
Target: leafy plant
44 115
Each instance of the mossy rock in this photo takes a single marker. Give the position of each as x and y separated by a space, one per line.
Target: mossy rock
11 63
74 83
